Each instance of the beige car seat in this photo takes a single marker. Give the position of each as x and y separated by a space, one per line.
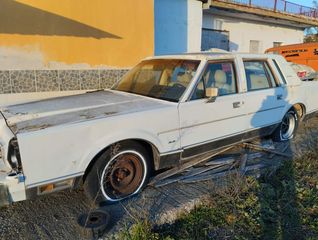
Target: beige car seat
258 82
221 82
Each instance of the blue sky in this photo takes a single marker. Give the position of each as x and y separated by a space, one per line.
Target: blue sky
302 2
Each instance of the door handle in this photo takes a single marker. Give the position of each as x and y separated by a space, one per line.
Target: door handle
236 104
279 96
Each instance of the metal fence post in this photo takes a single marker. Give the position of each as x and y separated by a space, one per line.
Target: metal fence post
275 5
285 6
250 2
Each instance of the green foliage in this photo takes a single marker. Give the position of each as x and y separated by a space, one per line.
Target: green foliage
231 213
311 37
139 231
279 205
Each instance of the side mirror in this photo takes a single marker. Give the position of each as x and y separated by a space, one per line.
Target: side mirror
211 94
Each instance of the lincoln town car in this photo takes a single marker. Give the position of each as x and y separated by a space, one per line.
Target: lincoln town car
165 111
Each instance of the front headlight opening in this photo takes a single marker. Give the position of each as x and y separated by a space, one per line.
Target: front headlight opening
14 158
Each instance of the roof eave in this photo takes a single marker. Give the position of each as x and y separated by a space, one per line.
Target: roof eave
303 20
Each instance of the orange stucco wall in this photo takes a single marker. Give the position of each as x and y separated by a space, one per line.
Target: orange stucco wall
69 32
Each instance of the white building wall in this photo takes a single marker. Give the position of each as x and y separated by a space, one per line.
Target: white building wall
243 31
194 25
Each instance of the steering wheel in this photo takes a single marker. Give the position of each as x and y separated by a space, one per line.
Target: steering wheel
178 85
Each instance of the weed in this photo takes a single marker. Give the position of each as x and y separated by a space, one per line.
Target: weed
279 205
140 230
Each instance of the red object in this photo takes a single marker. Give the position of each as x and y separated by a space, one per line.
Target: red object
302 74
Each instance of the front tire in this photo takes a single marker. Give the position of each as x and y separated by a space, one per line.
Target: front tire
120 172
287 128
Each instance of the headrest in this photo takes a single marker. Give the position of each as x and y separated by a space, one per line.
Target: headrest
220 77
258 82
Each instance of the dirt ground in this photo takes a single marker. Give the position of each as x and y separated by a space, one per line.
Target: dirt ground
55 216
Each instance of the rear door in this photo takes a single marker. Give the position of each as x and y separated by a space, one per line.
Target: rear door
265 98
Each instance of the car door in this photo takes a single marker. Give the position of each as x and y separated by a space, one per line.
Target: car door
264 99
205 125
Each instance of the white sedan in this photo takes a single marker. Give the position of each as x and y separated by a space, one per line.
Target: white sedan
165 111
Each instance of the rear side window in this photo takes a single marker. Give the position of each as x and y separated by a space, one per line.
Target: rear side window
270 74
280 72
258 75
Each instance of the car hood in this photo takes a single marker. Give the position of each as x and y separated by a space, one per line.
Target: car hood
43 114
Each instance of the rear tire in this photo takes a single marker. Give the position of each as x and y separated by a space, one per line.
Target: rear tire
287 128
118 173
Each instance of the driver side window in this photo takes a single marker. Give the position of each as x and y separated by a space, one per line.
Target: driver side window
217 75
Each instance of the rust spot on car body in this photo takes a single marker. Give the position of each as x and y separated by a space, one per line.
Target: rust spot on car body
109 113
35 127
33 116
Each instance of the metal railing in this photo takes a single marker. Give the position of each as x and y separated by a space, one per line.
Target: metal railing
278 6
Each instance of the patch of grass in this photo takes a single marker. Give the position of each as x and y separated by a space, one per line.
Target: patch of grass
230 213
279 205
306 170
140 230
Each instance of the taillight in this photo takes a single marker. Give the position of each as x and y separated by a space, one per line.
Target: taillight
302 74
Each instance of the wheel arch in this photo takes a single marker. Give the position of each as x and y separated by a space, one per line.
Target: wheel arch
150 148
300 109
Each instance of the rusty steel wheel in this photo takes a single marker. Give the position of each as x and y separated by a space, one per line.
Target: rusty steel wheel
118 172
123 175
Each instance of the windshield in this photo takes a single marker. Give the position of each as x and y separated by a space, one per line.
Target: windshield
165 79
